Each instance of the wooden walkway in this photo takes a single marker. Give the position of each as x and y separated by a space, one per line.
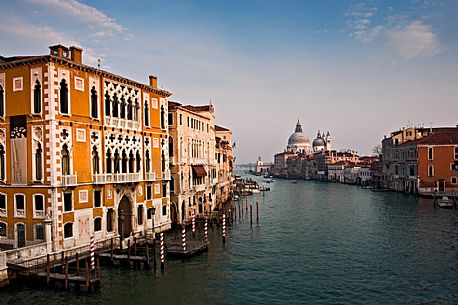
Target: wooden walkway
193 247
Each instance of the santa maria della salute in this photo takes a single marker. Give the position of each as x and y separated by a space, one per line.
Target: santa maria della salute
299 143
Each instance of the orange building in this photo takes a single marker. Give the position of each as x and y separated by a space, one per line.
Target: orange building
438 163
82 152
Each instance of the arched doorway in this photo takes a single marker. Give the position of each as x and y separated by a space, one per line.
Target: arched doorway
125 217
20 228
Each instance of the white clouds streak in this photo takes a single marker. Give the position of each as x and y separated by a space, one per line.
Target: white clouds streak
401 37
84 14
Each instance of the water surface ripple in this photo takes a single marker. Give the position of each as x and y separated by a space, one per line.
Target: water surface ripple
316 243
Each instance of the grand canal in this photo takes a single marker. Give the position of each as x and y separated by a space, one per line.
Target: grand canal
315 243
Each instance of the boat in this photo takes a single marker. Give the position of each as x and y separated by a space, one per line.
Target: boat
445 202
294 182
236 198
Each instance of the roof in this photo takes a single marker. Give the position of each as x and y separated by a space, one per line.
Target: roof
449 137
220 128
17 61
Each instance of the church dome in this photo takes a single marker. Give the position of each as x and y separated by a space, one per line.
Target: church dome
298 141
318 142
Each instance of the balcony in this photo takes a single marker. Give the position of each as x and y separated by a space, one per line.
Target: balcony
121 123
20 213
150 176
3 212
69 180
126 177
40 214
99 178
166 176
199 188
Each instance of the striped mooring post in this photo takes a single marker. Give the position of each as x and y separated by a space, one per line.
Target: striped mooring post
193 225
224 229
92 252
162 251
183 238
206 230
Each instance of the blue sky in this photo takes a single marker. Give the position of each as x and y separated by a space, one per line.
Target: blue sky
356 69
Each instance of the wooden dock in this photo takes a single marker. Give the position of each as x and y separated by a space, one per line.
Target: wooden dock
193 247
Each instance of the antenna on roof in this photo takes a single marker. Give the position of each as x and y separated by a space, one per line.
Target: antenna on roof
98 63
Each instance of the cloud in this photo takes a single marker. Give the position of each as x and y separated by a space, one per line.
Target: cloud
414 40
359 22
84 14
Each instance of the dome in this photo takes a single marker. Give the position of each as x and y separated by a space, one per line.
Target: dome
318 142
297 138
298 141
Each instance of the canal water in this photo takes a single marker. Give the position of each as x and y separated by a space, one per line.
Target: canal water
316 243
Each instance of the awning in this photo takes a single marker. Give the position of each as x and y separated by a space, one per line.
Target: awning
199 171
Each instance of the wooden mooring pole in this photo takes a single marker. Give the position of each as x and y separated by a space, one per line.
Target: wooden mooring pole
251 216
257 212
66 273
88 276
48 276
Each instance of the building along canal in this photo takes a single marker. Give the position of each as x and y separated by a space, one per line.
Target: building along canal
315 243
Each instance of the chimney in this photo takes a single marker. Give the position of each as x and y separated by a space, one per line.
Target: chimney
76 54
153 81
59 50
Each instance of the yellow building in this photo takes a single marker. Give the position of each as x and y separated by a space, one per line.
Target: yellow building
82 152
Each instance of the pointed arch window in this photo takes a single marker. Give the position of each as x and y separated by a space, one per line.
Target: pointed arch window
131 162
124 162
146 113
115 105
107 104
63 96
136 109
2 163
39 163
116 162
65 160
37 97
148 162
2 101
129 109
95 161
163 162
94 103
108 162
138 160
162 117
123 107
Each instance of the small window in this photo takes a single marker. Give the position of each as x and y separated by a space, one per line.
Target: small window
39 232
170 119
68 205
97 224
3 229
110 217
148 192
38 201
97 198
181 119
430 171
164 210
3 205
19 200
456 153
164 189
37 97
140 214
430 153
149 213
453 180
68 230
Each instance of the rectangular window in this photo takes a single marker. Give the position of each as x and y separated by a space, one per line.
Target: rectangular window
3 211
181 119
164 189
97 198
157 189
39 232
38 201
453 180
170 118
19 204
164 210
68 205
456 153
149 213
68 230
110 217
140 214
430 153
148 192
97 224
430 171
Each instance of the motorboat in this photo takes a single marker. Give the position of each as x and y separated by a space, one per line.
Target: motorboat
445 202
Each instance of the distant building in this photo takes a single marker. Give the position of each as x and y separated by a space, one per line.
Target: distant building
224 165
262 168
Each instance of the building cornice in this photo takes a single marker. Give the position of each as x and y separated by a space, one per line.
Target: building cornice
85 68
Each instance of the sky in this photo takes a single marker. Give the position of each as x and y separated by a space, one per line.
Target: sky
358 69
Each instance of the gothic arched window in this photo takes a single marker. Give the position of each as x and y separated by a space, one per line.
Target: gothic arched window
115 105
131 162
108 162
94 104
95 160
162 117
63 96
146 114
148 162
38 163
65 160
37 97
2 101
163 162
138 160
116 161
107 104
129 109
124 162
123 108
136 108
2 163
